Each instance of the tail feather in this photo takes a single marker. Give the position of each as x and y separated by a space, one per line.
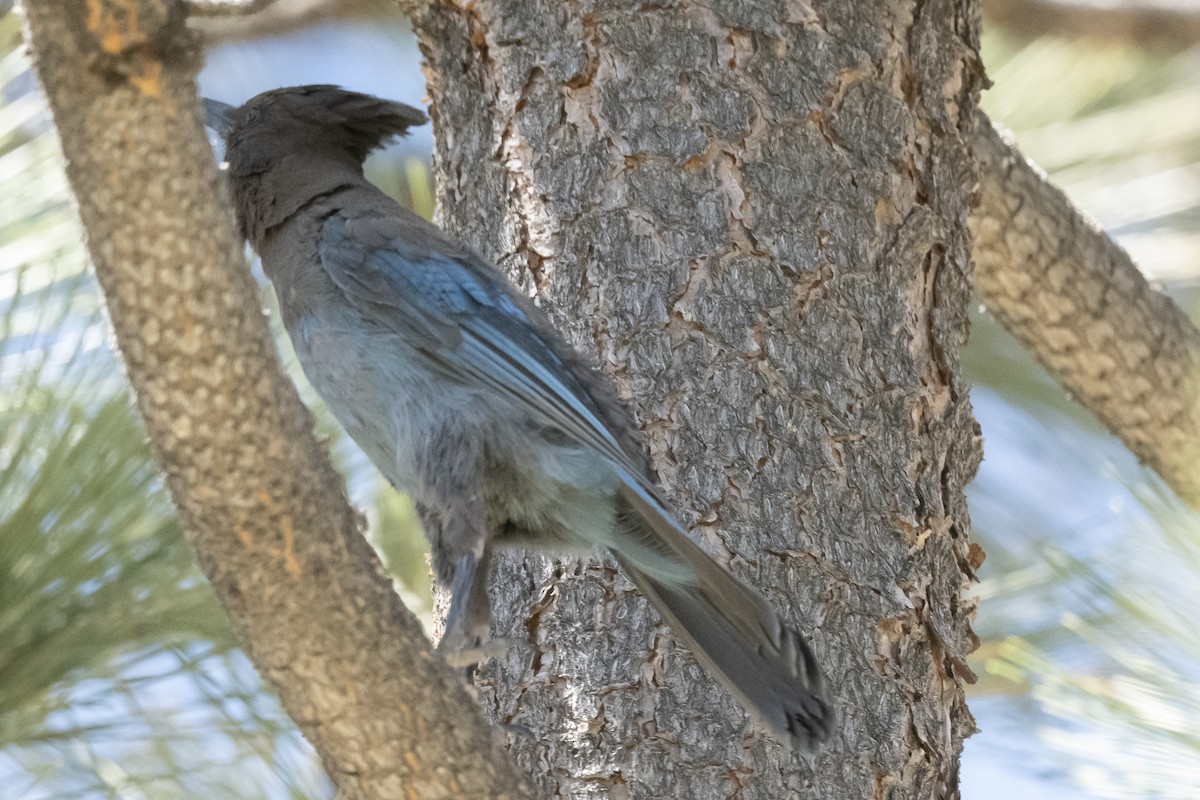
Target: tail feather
731 628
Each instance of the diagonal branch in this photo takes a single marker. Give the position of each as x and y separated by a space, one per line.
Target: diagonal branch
230 20
1173 24
1077 301
226 8
265 512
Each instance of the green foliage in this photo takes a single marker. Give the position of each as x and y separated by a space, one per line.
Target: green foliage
1125 719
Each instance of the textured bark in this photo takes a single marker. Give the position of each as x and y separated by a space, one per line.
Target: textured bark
756 216
1077 301
265 512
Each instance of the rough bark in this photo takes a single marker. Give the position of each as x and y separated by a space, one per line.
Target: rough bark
756 216
264 510
1077 301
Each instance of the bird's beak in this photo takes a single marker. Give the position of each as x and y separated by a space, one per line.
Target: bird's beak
217 115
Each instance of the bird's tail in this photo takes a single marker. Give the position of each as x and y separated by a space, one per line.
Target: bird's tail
731 628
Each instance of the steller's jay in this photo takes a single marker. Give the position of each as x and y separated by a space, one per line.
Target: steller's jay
466 399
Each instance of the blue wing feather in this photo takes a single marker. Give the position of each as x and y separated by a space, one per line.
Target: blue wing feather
453 307
465 319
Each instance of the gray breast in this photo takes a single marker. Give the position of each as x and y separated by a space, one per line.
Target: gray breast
395 405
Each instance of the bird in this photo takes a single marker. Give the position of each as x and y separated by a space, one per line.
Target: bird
456 386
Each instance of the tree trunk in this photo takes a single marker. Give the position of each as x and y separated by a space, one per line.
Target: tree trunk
756 217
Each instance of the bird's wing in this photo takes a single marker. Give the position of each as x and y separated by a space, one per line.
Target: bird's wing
404 276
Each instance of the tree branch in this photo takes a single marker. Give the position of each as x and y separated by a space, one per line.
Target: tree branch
264 510
227 8
1142 23
227 20
273 19
1077 301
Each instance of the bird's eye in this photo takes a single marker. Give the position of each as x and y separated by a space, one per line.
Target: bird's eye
253 113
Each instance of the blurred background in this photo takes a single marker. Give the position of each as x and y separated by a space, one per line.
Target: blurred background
119 677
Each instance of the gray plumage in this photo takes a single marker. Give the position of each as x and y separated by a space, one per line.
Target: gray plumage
466 399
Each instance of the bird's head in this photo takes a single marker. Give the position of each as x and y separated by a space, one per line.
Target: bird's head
314 120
